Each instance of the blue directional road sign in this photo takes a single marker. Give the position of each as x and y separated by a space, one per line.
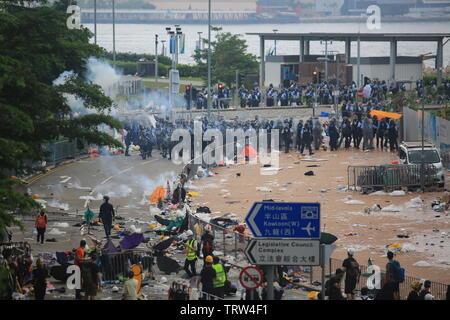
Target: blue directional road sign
284 220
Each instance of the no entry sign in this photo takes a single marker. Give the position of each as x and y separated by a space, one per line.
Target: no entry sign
251 278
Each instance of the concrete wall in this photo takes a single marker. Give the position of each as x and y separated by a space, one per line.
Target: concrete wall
403 72
273 113
273 74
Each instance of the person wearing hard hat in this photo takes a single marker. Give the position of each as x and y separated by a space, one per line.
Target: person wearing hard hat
221 277
352 274
207 276
191 254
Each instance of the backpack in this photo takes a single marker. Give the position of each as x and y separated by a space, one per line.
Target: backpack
398 272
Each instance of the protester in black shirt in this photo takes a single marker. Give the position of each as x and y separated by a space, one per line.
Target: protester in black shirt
106 215
90 275
352 274
40 275
207 276
335 290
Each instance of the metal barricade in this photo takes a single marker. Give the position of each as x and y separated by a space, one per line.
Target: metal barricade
117 264
389 177
62 150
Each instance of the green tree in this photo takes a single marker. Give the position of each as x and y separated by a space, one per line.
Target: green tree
228 55
36 47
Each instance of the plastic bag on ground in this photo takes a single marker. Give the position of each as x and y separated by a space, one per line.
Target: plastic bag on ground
422 264
392 208
354 202
56 232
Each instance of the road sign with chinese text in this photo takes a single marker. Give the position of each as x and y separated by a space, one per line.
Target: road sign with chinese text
284 220
289 252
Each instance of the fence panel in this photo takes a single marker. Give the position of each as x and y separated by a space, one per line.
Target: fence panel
390 177
116 264
62 150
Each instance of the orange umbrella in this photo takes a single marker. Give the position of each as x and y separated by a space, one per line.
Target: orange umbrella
383 114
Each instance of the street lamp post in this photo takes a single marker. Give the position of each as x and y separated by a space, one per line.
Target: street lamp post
156 62
163 47
209 58
326 59
275 49
174 36
95 21
199 41
114 30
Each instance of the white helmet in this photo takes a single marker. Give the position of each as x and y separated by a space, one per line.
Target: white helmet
189 233
351 251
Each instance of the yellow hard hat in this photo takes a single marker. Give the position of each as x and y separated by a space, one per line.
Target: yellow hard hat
209 259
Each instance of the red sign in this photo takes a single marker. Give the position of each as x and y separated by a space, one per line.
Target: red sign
251 278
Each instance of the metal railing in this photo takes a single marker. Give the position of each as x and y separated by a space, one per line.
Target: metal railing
117 264
389 177
62 150
438 290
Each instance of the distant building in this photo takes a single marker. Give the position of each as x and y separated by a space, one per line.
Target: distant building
280 70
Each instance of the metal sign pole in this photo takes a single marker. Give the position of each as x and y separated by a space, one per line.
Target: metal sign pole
422 182
269 278
95 21
322 265
156 62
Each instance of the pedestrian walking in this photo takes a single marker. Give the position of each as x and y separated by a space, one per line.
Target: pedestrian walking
207 276
191 254
41 224
88 217
334 135
306 138
352 274
381 133
393 275
317 134
107 215
367 130
40 275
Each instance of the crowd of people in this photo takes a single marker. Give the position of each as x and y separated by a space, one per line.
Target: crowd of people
323 93
389 284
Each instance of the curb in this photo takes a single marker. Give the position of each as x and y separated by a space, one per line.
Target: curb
29 180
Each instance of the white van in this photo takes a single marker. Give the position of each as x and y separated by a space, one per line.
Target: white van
411 153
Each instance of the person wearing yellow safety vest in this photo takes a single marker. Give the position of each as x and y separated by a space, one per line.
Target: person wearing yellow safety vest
191 254
221 277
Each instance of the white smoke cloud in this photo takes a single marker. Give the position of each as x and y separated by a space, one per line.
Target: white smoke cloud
98 72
